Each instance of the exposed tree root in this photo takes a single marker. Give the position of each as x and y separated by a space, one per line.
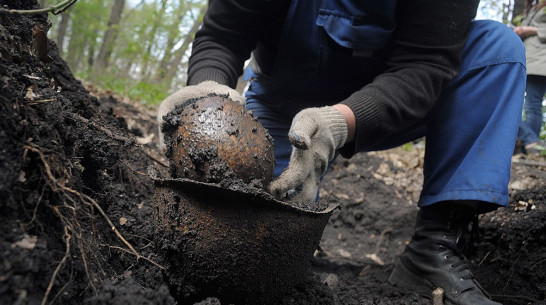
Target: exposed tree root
84 199
73 229
123 139
127 251
67 238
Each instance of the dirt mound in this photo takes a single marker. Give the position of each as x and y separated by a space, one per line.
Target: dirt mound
72 171
76 201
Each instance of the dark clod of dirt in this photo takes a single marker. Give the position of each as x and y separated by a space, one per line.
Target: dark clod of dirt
129 292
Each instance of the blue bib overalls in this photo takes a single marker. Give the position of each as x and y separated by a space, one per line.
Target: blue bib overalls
330 49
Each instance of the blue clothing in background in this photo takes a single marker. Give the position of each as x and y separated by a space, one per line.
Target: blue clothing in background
529 129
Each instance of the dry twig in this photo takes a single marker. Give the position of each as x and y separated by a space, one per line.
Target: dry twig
155 158
143 257
117 137
54 9
381 238
132 170
107 131
37 102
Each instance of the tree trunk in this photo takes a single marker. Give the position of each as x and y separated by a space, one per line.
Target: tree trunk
61 31
181 51
151 35
75 49
519 8
506 11
91 53
127 67
110 34
171 41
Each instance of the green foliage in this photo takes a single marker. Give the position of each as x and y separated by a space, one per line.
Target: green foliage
517 20
408 146
142 91
148 93
141 62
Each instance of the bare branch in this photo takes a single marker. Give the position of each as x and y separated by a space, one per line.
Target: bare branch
54 9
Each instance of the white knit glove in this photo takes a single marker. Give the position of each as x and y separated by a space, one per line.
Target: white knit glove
316 134
196 91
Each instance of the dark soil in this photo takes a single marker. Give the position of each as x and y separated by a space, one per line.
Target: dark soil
74 165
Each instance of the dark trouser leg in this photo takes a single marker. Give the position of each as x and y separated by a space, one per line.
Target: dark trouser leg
529 129
470 138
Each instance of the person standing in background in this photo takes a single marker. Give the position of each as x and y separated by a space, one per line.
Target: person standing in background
533 33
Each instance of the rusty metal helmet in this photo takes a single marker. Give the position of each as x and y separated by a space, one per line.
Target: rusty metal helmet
215 139
240 245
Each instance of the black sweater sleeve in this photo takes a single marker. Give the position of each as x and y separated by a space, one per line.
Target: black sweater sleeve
230 31
425 56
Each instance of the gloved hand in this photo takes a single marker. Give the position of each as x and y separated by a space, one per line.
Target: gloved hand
316 134
201 90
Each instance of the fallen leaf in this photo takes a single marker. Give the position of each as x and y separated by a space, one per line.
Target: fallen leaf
145 140
364 271
30 92
521 206
28 242
517 185
122 221
344 253
39 45
342 196
22 177
375 258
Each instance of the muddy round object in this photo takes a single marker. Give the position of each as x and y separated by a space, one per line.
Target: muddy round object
241 246
214 139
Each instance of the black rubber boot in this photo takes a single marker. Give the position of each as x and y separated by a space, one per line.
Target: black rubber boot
435 257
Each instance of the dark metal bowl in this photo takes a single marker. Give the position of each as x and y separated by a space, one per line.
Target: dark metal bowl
238 244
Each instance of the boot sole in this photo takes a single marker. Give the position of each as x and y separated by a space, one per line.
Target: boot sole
402 277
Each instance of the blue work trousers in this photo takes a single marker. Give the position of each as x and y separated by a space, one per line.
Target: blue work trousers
470 132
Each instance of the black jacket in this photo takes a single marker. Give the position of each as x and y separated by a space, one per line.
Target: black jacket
424 57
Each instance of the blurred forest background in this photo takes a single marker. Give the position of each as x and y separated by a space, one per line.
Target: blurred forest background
140 48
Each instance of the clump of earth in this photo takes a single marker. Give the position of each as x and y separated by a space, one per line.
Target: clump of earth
76 201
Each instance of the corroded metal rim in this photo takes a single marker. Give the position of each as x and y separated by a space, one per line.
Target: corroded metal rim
241 192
